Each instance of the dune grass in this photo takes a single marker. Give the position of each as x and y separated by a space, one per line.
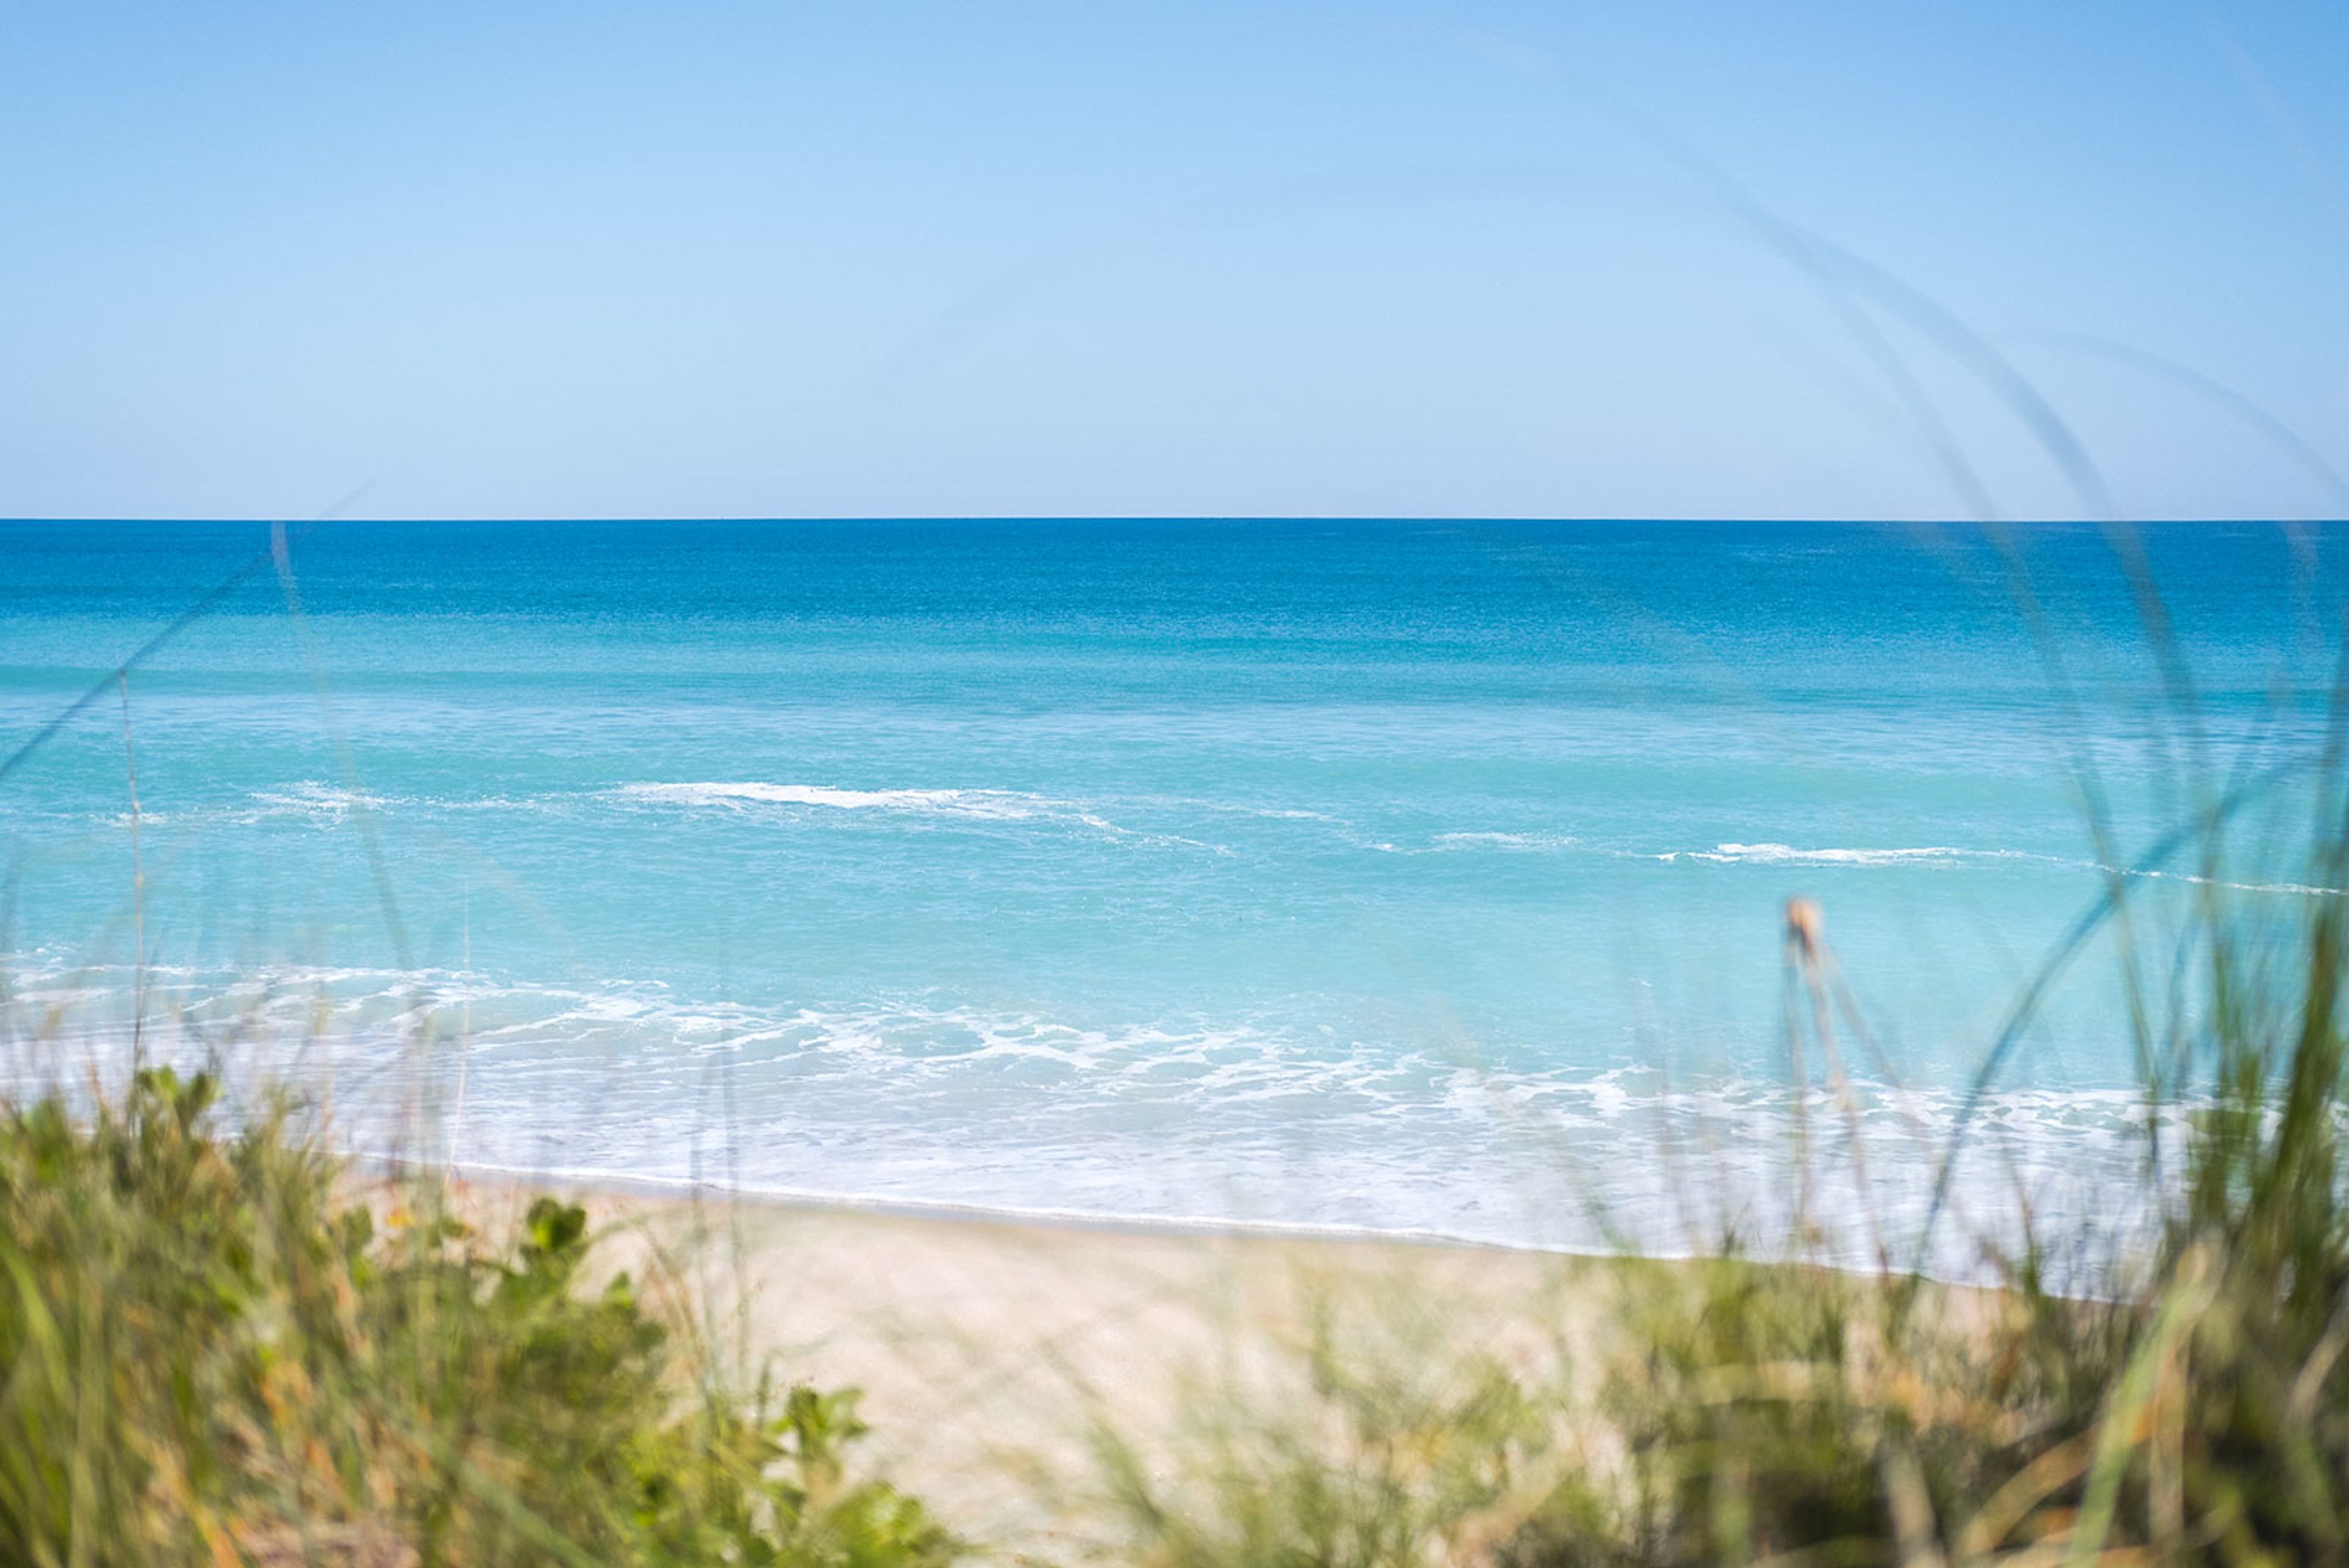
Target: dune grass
216 1352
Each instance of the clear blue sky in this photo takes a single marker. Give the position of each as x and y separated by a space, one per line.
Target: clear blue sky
847 259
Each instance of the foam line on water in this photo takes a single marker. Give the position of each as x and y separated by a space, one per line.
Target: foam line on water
973 806
1949 854
999 804
325 805
1003 1213
1225 1120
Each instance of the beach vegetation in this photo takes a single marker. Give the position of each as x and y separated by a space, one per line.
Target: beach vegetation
218 1345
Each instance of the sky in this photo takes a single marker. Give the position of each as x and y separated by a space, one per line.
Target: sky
888 259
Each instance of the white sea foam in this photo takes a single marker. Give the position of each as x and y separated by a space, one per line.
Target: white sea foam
1522 841
1947 855
2300 889
1788 855
309 798
988 805
1254 1119
999 805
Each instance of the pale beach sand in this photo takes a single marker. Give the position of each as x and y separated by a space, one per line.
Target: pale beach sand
988 1348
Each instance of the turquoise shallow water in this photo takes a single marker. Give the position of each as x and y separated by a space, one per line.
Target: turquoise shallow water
1413 876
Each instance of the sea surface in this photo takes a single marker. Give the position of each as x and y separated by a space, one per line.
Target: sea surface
1422 877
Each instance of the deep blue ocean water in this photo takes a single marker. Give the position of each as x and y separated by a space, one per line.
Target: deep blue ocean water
1404 874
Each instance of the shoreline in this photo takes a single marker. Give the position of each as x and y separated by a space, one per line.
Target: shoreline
1092 1221
666 1191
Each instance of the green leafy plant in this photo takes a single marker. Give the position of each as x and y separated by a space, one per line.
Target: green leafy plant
214 1354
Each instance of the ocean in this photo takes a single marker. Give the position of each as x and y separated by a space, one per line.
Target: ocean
1411 877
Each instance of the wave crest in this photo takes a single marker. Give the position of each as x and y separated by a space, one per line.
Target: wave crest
992 804
1788 855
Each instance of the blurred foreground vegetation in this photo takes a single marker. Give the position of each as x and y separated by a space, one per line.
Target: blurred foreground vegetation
214 1352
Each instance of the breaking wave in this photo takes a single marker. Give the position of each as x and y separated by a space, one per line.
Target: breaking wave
992 804
1179 1120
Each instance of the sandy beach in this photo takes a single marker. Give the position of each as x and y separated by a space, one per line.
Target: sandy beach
989 1349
